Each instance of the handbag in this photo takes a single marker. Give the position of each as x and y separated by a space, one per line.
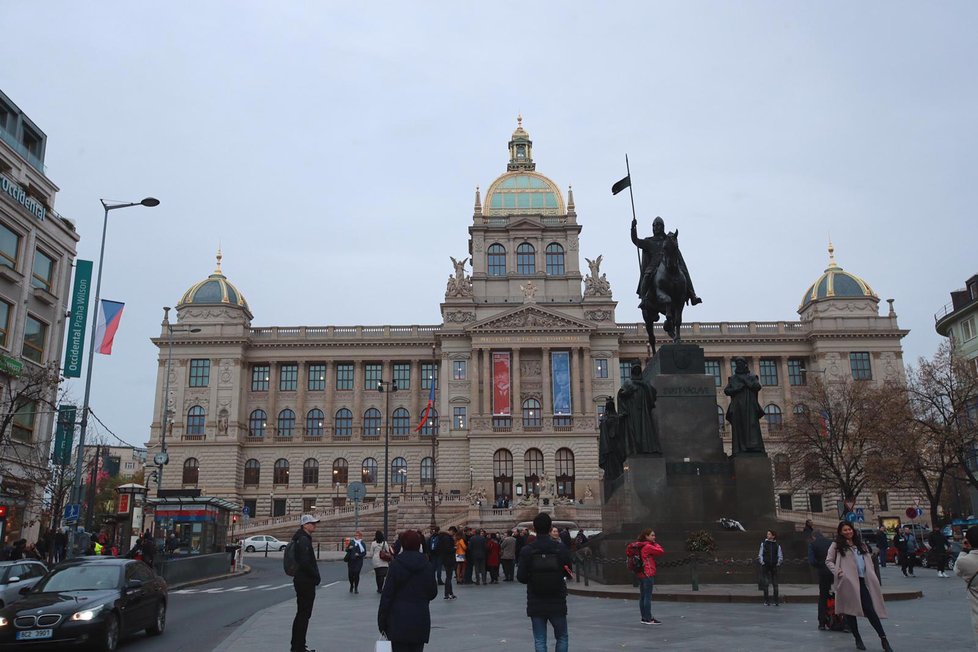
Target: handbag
385 553
383 645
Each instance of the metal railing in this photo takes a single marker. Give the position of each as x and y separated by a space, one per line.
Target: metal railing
19 147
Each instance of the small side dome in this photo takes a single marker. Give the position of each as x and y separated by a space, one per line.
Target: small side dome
215 290
836 283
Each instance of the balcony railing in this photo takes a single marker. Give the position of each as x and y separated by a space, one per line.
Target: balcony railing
19 147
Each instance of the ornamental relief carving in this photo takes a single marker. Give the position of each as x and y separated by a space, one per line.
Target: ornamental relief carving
226 373
459 317
459 356
460 385
528 319
598 315
528 395
208 313
602 354
531 368
195 398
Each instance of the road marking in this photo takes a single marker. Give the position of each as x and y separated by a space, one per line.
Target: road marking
185 591
275 588
239 588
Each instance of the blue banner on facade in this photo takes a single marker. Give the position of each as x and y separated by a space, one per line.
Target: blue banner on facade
560 377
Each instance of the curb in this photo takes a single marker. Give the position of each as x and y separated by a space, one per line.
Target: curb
204 580
701 597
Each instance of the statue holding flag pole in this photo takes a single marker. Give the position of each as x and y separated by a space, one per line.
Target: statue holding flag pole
664 285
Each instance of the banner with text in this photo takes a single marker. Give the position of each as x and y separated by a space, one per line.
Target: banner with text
64 435
501 406
79 315
560 373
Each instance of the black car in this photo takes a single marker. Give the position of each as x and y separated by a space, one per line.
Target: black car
89 600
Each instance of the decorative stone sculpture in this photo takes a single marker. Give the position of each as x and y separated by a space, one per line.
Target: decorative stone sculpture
636 400
744 412
596 284
529 292
611 445
459 284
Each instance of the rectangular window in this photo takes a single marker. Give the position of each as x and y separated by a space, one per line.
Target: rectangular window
884 501
769 372
796 372
9 247
784 501
429 373
288 377
316 377
35 339
968 329
600 367
625 368
250 506
308 505
23 422
372 375
402 375
200 373
4 322
278 507
713 369
259 377
344 376
459 369
459 419
815 503
43 273
859 363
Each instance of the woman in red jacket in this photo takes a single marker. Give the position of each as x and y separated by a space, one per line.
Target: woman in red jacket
646 549
492 558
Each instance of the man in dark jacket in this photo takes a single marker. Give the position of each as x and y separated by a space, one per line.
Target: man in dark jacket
446 552
404 616
542 568
477 552
305 580
818 549
938 551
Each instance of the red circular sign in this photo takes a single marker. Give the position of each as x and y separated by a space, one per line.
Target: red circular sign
911 512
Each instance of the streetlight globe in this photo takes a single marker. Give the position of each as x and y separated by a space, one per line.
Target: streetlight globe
150 201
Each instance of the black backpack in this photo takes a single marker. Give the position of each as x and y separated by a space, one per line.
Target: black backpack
546 573
289 561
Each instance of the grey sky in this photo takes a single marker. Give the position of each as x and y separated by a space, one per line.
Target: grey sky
334 151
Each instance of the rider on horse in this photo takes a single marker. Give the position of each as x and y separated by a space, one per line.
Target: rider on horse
652 253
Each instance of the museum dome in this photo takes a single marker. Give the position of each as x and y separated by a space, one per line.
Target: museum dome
836 283
215 290
522 190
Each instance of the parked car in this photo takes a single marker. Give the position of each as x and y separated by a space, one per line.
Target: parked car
88 600
263 542
15 575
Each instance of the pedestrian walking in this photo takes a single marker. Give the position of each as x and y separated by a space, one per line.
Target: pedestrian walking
507 556
148 549
937 557
304 581
460 549
645 549
355 552
404 615
477 555
380 557
906 545
857 589
433 555
492 558
543 567
883 543
818 549
966 567
446 550
770 557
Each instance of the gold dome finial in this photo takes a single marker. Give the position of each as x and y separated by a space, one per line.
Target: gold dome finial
219 257
832 263
519 120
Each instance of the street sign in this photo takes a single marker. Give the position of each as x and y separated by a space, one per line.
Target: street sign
72 512
246 511
920 512
860 515
911 512
356 491
850 517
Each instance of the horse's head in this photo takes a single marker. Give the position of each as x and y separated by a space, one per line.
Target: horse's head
670 248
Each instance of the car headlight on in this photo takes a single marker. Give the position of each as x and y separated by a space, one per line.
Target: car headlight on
87 614
4 622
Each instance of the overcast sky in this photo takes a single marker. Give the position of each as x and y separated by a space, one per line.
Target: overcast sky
333 149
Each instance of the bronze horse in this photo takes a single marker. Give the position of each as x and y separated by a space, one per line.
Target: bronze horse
667 293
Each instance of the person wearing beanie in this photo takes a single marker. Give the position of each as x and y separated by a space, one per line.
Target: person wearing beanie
404 615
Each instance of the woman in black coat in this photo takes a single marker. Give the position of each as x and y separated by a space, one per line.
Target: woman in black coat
404 616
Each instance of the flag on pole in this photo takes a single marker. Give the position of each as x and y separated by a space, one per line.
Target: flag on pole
621 185
823 423
427 410
109 316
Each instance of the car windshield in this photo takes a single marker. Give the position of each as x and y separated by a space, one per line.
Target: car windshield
81 577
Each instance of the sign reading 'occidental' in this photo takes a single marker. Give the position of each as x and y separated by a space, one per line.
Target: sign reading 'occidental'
31 205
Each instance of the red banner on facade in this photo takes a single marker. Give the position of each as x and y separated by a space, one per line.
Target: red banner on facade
501 406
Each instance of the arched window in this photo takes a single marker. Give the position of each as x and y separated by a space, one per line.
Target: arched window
314 422
195 420
256 423
310 471
401 422
721 419
800 411
252 474
280 472
371 423
502 474
344 423
190 471
565 472
526 259
286 423
772 414
555 259
340 471
782 468
532 470
532 417
368 471
496 260
427 470
430 426
810 467
399 471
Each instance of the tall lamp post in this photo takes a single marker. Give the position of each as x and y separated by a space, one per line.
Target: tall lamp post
434 446
163 458
388 387
77 492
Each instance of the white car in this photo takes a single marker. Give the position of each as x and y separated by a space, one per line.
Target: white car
263 542
16 575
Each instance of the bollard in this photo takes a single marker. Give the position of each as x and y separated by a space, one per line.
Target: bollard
317 549
694 576
266 550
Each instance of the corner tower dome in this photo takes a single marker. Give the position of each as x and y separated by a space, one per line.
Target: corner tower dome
836 283
215 290
522 190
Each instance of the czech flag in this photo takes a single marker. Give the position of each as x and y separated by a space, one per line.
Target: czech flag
427 410
109 316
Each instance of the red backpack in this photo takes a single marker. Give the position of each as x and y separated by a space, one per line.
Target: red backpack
633 557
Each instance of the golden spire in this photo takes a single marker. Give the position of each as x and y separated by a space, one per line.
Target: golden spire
832 263
219 257
519 120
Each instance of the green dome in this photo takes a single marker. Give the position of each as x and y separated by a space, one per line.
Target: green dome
524 192
836 283
215 290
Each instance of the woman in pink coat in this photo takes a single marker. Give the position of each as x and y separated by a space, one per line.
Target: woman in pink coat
857 589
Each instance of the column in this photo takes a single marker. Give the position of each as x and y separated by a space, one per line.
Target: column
302 385
415 390
474 376
441 400
576 405
329 408
548 410
587 374
486 382
357 403
515 387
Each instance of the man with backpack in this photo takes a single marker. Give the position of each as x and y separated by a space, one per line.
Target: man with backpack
300 563
544 565
640 556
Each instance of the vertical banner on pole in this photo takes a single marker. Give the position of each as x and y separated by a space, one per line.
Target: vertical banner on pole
560 375
64 435
79 317
501 403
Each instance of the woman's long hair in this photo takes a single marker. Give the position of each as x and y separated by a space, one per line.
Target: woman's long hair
643 535
379 536
840 541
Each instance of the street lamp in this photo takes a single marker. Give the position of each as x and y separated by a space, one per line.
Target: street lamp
149 202
163 458
434 443
389 387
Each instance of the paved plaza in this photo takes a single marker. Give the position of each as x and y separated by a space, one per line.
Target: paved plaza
493 618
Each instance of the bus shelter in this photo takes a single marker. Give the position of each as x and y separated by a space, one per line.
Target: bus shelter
200 523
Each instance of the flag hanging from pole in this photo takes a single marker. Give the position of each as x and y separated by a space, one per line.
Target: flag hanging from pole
622 184
427 410
109 316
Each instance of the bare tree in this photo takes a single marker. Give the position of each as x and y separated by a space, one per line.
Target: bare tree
25 395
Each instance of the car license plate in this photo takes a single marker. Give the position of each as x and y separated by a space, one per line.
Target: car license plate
34 633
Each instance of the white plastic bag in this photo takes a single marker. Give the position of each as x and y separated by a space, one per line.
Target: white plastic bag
383 645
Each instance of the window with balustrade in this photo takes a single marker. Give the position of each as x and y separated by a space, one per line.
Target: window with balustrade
315 420
555 259
310 472
371 423
286 423
257 422
195 421
368 471
252 472
532 470
526 259
280 471
496 260
401 423
399 471
340 471
343 423
191 470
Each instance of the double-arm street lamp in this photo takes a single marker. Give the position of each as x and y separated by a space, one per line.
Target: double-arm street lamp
388 387
163 458
108 206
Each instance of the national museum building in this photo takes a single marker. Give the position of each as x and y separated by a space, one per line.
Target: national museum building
282 418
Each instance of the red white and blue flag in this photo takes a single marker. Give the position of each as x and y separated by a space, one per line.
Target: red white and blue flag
824 424
109 316
427 410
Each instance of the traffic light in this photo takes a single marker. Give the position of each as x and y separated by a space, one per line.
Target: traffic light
234 518
3 511
154 476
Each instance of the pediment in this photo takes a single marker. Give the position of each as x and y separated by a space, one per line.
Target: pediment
531 318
